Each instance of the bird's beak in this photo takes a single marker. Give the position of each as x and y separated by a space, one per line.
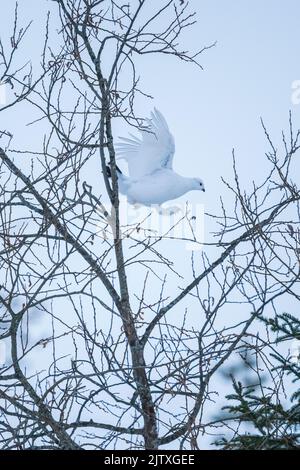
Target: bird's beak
203 190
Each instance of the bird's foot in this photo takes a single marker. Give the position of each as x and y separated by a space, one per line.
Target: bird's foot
137 206
169 210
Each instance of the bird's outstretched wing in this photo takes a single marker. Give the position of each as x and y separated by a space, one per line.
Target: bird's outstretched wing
154 150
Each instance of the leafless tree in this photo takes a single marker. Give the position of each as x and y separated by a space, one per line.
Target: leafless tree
122 365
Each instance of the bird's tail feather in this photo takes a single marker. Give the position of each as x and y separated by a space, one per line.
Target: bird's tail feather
108 171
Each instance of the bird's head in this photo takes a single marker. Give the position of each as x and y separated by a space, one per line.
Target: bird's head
198 184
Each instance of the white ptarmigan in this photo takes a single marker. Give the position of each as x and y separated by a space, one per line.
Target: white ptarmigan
151 178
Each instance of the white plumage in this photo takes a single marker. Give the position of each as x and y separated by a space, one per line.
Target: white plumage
151 178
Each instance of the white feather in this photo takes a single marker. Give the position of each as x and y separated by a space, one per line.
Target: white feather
151 178
153 151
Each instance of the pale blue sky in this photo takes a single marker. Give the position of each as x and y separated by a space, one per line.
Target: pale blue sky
248 75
